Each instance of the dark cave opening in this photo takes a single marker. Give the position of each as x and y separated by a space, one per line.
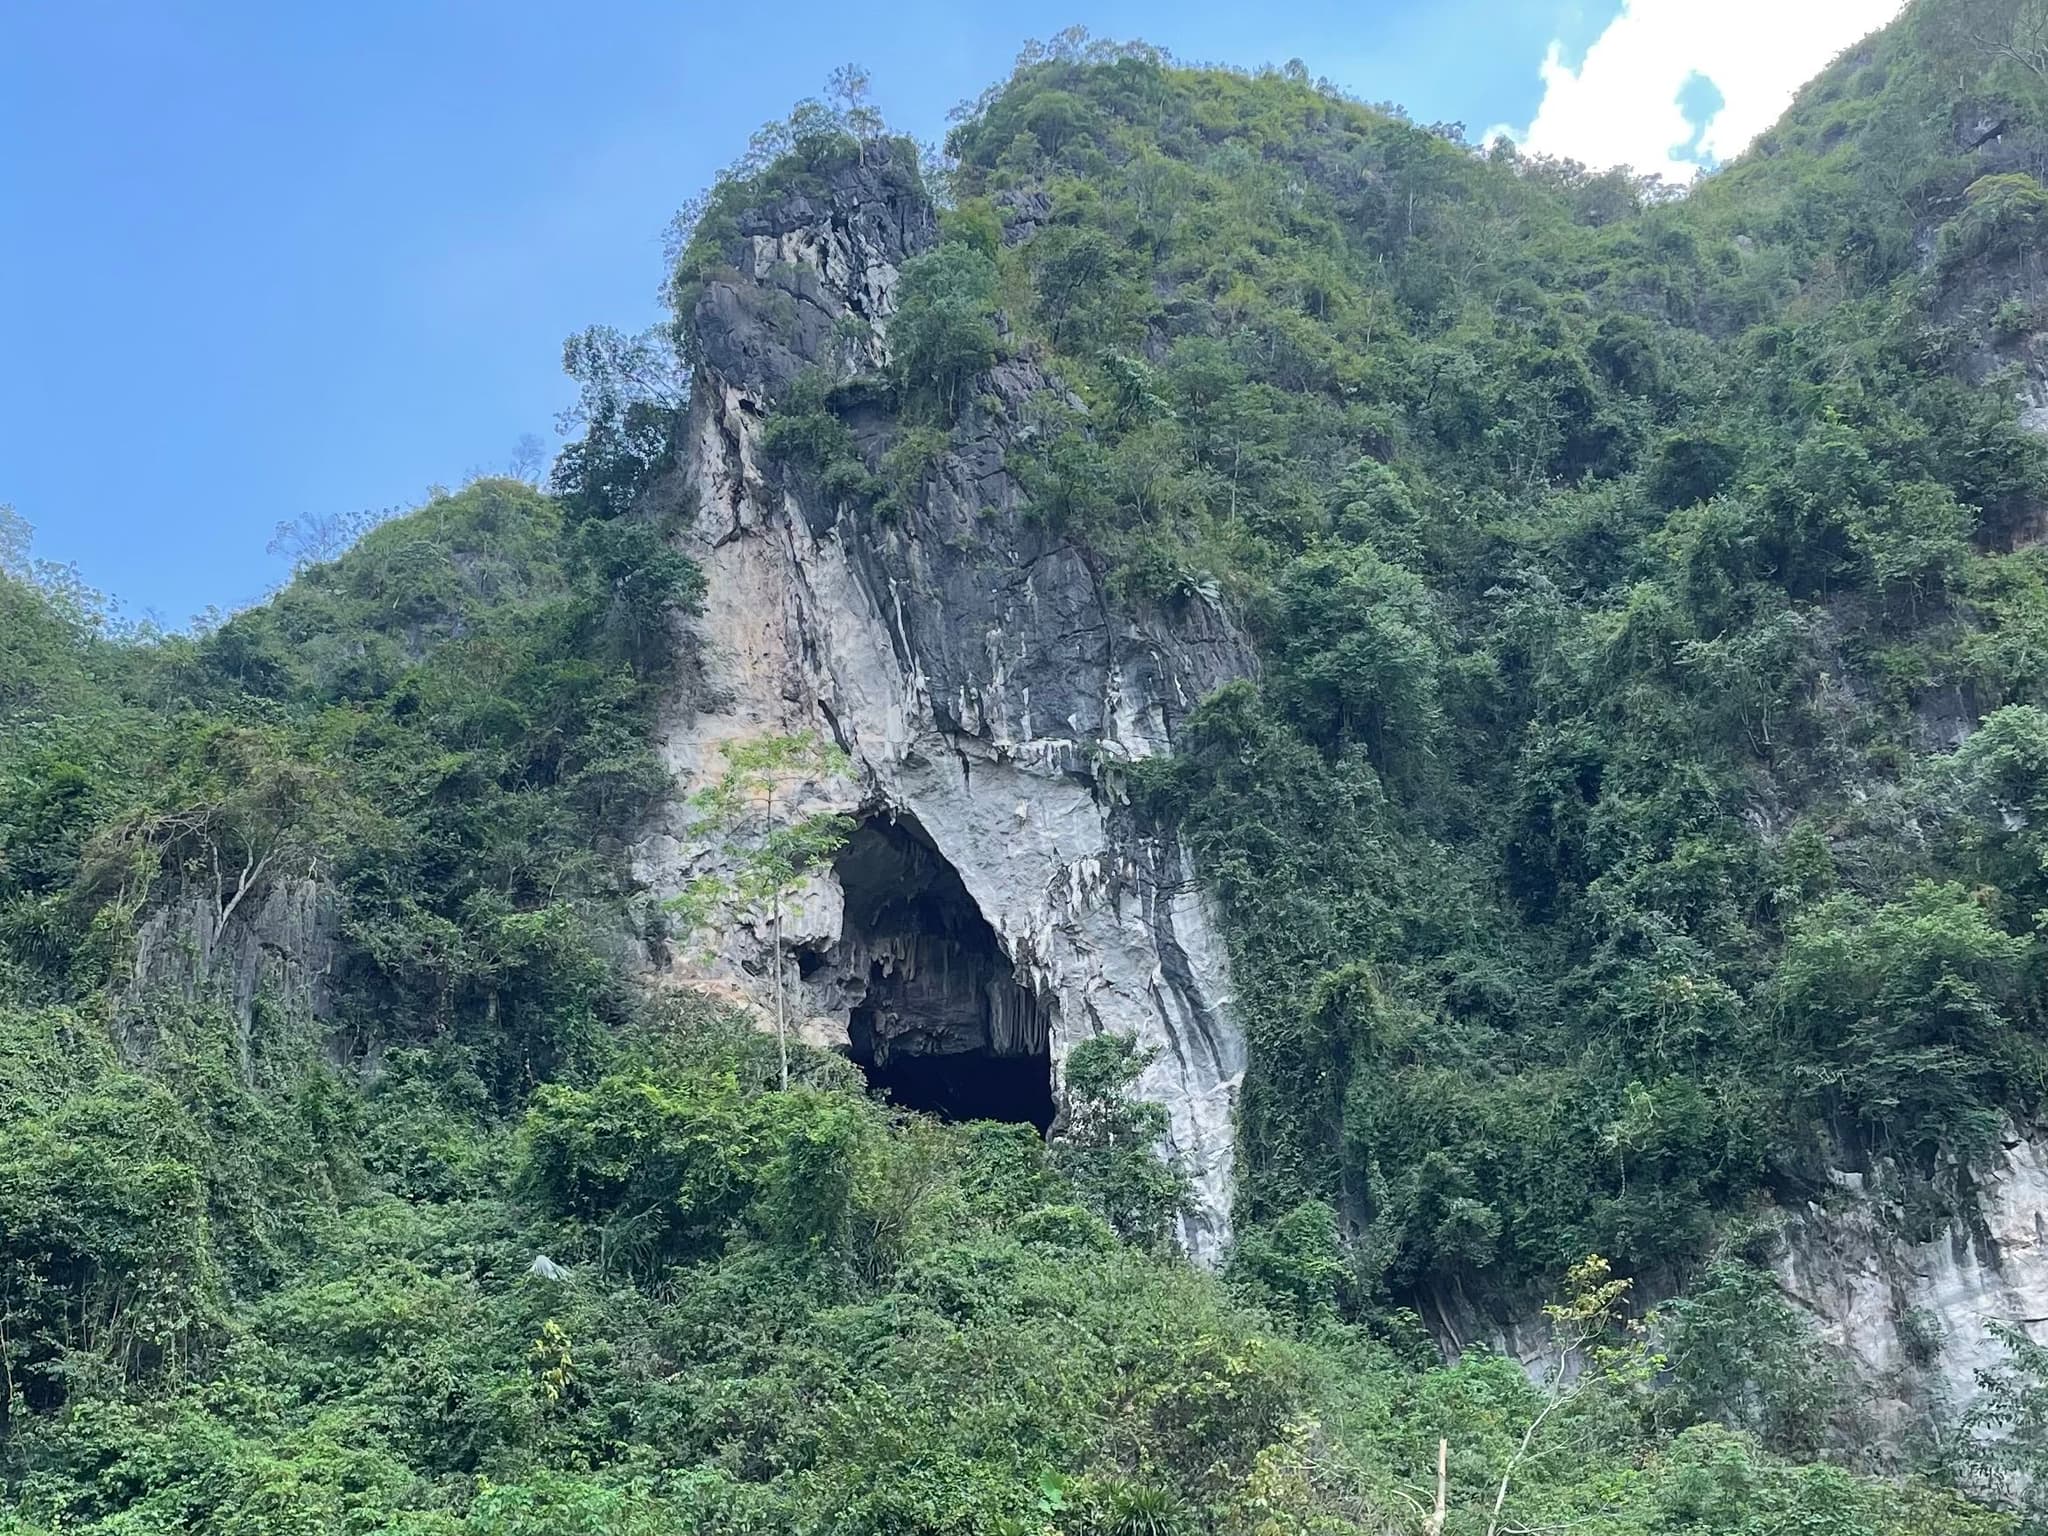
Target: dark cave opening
943 1025
966 1085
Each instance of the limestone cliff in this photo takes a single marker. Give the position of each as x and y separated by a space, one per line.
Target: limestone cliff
997 904
1911 1320
278 946
1909 1313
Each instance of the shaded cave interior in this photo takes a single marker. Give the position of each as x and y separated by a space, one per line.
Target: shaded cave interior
939 1021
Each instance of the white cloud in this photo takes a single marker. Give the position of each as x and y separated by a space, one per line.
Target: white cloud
1620 106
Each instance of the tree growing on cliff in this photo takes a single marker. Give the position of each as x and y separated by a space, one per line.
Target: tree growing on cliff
944 333
2003 1451
848 87
1599 1360
631 391
1108 1145
746 814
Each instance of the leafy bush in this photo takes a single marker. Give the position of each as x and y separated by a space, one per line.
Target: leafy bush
943 333
1108 1144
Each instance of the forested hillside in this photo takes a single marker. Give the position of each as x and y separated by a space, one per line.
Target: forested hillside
1633 833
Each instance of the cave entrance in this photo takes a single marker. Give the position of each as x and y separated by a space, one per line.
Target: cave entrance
941 1024
965 1085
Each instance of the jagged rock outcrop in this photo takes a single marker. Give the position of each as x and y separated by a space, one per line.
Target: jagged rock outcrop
1907 1320
1991 303
982 685
1911 1321
278 944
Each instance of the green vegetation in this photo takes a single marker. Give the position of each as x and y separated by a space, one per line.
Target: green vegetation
2004 1449
1588 860
1592 851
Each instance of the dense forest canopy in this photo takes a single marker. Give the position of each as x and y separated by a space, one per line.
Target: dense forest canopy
1639 815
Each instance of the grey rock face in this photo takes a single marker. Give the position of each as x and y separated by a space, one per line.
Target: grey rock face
1908 1323
810 278
1022 213
983 686
1911 1321
1992 303
278 944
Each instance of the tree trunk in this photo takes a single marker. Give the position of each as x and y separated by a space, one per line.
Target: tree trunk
781 1018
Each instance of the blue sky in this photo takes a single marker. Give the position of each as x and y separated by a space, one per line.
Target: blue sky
262 261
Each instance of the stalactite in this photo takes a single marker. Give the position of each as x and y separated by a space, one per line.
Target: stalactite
939 1012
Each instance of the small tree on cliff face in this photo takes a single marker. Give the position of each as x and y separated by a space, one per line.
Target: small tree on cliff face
235 808
2003 1451
1599 1362
848 87
944 332
746 809
1108 1146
